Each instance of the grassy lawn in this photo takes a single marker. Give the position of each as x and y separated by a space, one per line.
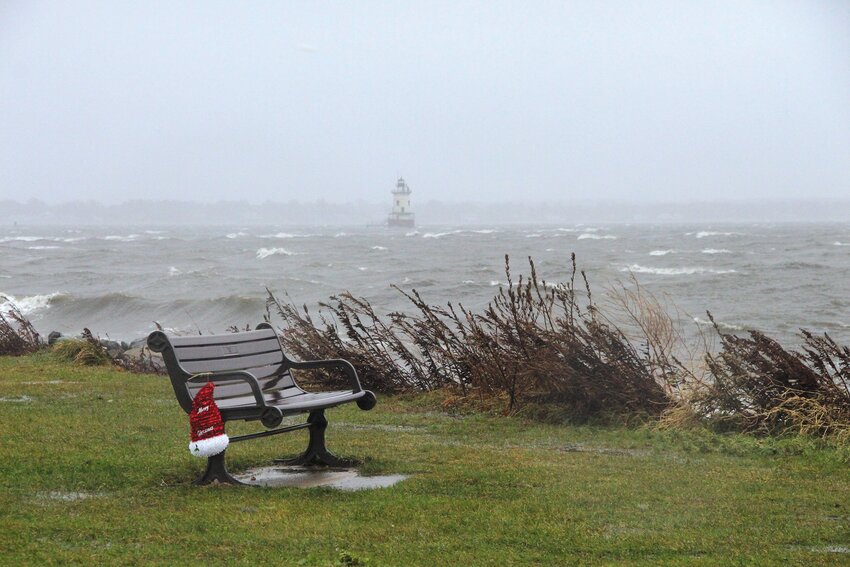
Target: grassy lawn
484 490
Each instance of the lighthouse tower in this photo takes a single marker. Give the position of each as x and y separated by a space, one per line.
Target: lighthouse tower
401 214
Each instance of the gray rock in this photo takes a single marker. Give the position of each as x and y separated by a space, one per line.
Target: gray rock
113 348
53 337
138 343
153 359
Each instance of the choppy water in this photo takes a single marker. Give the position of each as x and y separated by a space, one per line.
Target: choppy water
776 278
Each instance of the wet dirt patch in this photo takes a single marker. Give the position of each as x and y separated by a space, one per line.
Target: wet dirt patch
48 382
64 496
381 427
832 549
578 448
306 477
16 400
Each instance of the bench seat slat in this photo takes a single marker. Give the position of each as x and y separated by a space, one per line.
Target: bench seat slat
235 389
208 352
269 377
239 363
296 402
228 338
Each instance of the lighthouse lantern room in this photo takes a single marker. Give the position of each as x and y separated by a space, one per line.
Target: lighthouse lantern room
401 214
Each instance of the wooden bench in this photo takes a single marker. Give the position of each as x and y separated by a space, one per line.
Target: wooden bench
254 383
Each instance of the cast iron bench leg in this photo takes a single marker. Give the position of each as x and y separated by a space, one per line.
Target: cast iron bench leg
216 472
317 454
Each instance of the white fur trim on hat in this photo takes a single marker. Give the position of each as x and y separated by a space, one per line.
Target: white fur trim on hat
210 446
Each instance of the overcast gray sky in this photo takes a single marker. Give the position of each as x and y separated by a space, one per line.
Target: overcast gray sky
489 101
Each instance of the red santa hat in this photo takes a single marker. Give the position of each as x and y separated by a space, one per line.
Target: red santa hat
208 436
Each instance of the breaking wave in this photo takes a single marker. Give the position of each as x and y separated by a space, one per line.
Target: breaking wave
266 252
437 234
707 233
27 305
37 238
716 251
661 252
119 238
638 269
593 236
720 324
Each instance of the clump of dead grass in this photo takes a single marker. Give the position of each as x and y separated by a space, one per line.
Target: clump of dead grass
17 334
534 344
760 386
85 351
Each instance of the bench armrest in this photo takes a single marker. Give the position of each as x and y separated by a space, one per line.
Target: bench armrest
346 366
231 375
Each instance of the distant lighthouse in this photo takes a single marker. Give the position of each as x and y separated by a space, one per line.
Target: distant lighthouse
401 214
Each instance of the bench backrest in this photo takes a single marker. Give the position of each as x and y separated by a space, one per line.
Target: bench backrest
259 352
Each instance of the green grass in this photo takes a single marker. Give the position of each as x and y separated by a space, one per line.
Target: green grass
484 490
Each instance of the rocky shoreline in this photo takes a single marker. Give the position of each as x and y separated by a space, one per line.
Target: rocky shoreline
135 354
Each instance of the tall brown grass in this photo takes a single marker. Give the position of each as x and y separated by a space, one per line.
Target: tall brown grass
17 334
551 350
758 385
535 344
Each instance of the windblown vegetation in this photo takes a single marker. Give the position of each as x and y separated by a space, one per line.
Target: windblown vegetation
85 351
17 335
551 351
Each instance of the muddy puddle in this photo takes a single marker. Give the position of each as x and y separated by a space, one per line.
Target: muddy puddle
301 477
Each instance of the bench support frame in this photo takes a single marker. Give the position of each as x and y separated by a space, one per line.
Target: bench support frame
317 453
216 472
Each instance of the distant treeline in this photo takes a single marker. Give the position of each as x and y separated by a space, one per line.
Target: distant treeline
574 208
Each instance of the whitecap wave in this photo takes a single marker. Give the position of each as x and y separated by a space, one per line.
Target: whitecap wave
174 271
593 236
266 252
533 235
484 231
37 238
27 305
362 268
836 243
707 233
414 233
42 247
233 235
716 251
720 324
438 234
120 238
661 252
379 248
638 269
24 238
